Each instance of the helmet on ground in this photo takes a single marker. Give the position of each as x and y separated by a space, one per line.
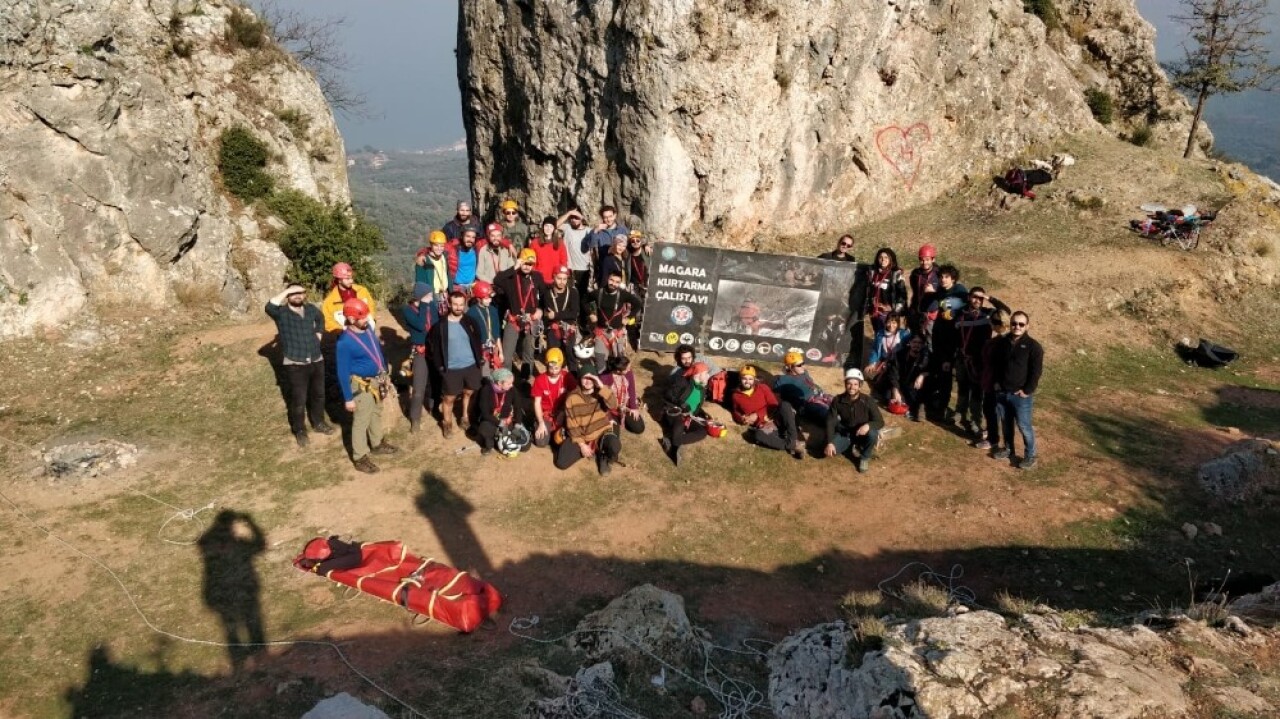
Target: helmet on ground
928 251
511 441
481 290
528 255
317 550
509 205
898 408
584 350
555 355
438 237
355 309
793 357
342 271
853 373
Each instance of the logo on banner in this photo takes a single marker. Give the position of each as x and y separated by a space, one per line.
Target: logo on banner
672 338
777 349
682 315
716 343
731 345
749 346
764 348
655 336
686 338
814 354
668 253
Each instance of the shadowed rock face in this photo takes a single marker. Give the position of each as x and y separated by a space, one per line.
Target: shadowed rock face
732 118
111 115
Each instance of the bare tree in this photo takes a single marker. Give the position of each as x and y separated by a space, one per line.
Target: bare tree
1225 54
316 42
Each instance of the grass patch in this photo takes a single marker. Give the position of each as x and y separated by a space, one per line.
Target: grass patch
1100 104
244 30
1012 604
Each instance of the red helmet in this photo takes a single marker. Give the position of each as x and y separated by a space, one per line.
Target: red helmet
494 226
481 290
342 271
355 309
317 549
928 251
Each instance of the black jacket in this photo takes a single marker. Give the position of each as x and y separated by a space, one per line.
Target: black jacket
1018 363
890 290
438 340
511 409
850 414
553 302
517 287
612 310
677 392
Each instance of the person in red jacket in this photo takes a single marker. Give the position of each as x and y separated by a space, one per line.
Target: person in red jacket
551 250
770 423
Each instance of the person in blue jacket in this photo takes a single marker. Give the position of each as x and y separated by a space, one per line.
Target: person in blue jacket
362 377
419 316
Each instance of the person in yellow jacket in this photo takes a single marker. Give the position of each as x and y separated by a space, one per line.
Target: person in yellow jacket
344 288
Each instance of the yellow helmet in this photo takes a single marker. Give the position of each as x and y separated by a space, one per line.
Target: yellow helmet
509 205
438 238
793 357
747 371
555 355
528 255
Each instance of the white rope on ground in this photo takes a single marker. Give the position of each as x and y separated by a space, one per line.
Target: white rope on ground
956 593
414 711
739 699
185 514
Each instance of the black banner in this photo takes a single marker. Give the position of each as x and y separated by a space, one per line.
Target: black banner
747 304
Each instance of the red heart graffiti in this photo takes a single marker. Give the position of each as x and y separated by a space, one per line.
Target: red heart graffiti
904 149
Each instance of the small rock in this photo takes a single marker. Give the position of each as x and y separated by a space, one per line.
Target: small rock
1237 625
1081 352
1189 530
1211 529
1162 393
698 705
1231 430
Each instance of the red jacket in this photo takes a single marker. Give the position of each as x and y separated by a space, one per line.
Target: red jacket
761 403
550 258
451 255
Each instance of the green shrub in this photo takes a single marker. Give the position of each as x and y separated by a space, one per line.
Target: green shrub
244 30
1045 10
1100 104
1141 135
242 159
317 236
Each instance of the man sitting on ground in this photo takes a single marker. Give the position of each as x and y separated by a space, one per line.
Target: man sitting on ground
683 421
769 423
686 356
589 427
798 389
854 423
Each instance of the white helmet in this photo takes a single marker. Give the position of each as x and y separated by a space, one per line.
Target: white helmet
511 441
854 373
584 350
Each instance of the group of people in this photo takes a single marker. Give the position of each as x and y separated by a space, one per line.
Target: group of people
523 338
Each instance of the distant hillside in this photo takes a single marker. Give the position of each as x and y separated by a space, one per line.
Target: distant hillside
407 194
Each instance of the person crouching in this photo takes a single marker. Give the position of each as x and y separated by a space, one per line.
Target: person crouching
769 423
498 408
854 423
590 430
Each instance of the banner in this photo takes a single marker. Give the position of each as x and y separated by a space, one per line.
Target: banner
750 305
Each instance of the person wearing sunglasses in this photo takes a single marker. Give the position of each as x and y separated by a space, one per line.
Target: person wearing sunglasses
513 226
1019 362
843 251
797 388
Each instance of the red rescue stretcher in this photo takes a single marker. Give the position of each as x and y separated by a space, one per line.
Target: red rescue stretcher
425 587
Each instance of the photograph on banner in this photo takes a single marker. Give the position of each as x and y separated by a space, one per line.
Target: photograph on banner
764 310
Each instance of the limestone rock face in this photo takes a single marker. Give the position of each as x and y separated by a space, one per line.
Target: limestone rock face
726 119
109 191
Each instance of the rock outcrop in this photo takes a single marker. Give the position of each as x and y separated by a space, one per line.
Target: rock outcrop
1244 472
109 190
718 121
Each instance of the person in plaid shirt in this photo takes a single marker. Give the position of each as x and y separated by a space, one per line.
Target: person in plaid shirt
300 326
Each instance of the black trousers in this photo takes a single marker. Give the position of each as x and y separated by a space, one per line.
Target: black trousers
678 434
487 430
608 447
421 396
306 395
782 435
582 280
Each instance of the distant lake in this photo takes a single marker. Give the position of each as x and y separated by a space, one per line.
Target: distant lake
1245 126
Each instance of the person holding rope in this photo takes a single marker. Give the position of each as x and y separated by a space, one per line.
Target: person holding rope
523 289
489 321
499 408
420 315
608 312
683 420
454 344
365 382
562 311
854 423
622 382
590 430
770 423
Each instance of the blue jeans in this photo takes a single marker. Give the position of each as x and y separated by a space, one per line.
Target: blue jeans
1011 408
866 444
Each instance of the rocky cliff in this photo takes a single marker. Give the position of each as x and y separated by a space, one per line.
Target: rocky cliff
111 113
732 118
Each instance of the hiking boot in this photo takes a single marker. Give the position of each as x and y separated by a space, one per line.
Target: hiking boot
913 416
1028 463
385 448
796 452
975 429
324 428
984 444
864 464
302 439
366 465
1000 453
486 451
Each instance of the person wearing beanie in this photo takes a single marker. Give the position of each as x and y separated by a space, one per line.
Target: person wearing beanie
683 420
463 260
299 327
420 315
853 423
464 219
589 427
770 423
498 407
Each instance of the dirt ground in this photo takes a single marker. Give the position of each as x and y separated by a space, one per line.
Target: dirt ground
759 544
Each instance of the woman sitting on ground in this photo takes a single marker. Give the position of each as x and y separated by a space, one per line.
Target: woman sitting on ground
889 341
622 381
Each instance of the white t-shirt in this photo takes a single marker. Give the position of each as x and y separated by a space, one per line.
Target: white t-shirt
578 260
